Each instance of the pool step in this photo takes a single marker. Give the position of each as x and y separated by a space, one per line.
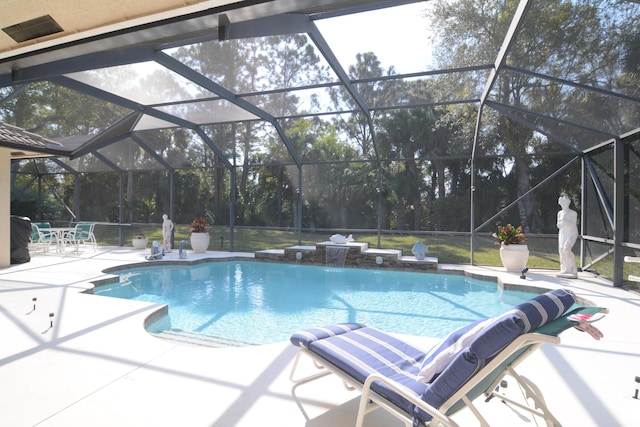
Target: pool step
193 338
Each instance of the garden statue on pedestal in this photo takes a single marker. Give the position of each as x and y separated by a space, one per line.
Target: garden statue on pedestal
419 250
167 229
567 236
156 252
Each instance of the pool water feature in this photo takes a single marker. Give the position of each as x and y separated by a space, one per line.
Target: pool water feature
248 302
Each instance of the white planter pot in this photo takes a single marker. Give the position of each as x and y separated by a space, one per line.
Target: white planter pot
140 243
199 242
514 257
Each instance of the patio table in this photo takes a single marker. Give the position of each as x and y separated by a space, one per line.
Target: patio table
60 232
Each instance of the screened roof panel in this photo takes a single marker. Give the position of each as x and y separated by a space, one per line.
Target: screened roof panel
184 148
204 112
87 164
67 114
179 148
317 100
44 166
451 87
146 83
609 112
466 35
147 122
567 135
386 32
564 74
128 155
582 42
258 64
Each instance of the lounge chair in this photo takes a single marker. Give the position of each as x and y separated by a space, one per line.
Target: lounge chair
418 386
81 234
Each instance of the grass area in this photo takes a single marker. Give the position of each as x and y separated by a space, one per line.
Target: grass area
449 249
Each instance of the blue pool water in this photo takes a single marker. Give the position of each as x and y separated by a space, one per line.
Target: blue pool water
259 303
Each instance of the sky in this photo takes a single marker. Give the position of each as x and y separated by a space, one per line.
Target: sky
398 36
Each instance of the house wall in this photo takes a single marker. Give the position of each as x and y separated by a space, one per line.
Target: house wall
5 207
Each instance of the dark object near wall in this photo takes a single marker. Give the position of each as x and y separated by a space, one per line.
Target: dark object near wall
20 234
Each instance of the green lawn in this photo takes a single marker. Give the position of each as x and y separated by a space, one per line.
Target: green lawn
449 249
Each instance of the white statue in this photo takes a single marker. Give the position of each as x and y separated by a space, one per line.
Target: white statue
167 228
339 238
419 250
567 236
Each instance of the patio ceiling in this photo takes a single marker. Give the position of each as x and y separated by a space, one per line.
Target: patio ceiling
87 35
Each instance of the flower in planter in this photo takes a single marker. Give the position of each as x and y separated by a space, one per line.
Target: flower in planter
139 236
510 235
199 225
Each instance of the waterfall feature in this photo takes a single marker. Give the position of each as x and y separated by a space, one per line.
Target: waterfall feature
336 255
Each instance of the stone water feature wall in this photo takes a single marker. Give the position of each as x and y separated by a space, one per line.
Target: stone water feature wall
359 255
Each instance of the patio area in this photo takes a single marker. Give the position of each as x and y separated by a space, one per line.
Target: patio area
92 363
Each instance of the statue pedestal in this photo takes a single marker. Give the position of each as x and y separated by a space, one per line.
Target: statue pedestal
567 275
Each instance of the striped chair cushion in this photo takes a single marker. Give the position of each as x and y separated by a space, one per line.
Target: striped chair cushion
363 351
442 354
495 337
360 351
544 308
307 336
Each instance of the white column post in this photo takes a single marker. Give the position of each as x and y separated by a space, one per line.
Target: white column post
5 207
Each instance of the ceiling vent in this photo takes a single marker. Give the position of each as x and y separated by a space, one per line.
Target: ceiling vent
33 28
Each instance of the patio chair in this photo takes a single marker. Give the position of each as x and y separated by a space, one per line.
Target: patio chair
419 387
41 235
81 234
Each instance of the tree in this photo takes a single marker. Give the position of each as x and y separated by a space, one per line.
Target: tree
557 39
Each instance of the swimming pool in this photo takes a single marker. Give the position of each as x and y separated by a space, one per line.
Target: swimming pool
252 302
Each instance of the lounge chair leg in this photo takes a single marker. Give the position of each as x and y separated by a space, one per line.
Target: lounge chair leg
348 386
298 381
472 408
366 405
533 392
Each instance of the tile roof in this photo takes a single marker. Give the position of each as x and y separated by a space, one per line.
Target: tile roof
15 137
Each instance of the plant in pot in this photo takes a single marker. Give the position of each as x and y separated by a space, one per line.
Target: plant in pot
199 235
514 253
139 241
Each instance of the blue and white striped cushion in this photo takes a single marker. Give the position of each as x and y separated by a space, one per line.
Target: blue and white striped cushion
442 354
495 337
365 351
360 351
544 308
305 337
521 319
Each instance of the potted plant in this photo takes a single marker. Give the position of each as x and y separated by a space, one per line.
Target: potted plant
139 241
199 235
514 253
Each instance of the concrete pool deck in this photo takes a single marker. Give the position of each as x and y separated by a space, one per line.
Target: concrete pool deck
97 366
